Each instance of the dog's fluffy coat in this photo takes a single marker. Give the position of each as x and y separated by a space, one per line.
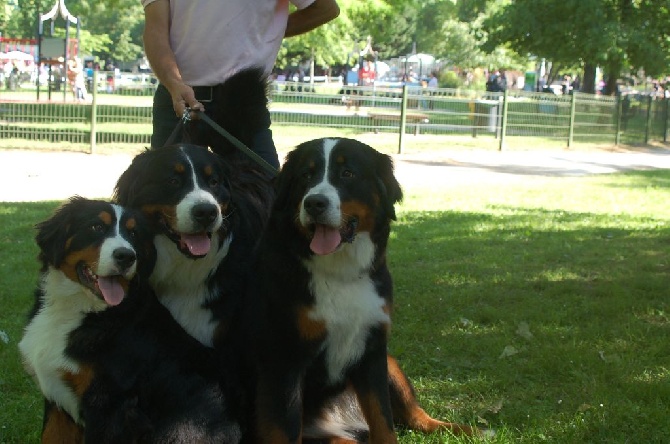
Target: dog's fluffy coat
108 357
325 292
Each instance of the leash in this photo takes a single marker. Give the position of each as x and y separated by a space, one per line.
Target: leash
186 117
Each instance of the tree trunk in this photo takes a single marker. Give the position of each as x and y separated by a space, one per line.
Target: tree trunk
589 79
612 75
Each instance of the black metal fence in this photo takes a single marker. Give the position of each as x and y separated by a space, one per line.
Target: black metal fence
123 115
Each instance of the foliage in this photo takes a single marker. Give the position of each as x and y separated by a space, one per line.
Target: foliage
618 35
101 23
449 79
458 36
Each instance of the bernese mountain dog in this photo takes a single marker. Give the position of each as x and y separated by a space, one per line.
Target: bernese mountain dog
207 212
111 362
206 218
324 295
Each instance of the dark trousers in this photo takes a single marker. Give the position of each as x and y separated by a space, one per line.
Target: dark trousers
165 121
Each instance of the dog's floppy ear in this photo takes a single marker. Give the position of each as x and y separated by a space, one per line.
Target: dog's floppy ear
282 182
124 191
391 193
146 249
53 233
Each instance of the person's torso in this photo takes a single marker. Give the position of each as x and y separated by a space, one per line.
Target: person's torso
213 39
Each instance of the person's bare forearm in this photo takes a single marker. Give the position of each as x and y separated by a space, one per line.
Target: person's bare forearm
313 16
157 43
161 57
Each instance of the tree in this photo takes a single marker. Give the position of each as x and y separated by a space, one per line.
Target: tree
102 22
392 25
618 35
335 42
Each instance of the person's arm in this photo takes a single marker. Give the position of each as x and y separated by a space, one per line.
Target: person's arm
161 57
313 16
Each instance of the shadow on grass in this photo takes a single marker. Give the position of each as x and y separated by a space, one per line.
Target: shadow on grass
550 325
546 322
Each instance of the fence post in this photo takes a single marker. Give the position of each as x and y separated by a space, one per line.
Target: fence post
403 120
617 116
571 125
503 122
94 112
647 125
665 120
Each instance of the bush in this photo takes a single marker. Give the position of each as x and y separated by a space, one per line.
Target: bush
449 79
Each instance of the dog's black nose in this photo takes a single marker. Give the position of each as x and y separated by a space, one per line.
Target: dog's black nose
316 204
124 257
204 213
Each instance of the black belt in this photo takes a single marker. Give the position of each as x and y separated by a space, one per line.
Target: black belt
205 94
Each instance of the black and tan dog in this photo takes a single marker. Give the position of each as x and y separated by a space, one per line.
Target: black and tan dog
112 363
324 289
206 218
207 212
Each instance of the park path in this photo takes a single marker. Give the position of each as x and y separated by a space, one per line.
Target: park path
27 175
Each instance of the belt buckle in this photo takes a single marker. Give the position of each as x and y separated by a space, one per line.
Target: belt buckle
208 93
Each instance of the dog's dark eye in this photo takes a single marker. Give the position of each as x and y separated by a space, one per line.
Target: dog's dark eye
213 182
98 227
174 181
132 234
347 174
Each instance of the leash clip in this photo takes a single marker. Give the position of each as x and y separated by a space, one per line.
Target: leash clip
186 117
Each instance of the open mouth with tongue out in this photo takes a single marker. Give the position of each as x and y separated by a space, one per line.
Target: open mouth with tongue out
193 245
326 238
112 289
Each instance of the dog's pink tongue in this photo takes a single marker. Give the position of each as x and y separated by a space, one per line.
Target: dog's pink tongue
197 244
111 290
326 239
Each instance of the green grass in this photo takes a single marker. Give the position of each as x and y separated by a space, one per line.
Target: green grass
538 309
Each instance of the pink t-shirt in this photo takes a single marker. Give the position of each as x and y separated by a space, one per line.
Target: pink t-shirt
214 39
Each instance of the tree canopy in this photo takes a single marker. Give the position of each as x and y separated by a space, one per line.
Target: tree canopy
619 36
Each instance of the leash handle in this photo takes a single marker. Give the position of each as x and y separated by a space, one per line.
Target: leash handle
186 117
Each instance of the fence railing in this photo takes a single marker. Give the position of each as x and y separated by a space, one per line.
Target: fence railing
123 115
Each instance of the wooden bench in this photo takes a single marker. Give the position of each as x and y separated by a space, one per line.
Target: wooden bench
415 119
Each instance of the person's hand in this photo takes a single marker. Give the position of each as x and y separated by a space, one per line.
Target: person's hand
183 97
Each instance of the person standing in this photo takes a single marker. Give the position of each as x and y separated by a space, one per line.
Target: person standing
193 46
77 79
432 86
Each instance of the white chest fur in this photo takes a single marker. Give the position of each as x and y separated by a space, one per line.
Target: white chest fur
181 285
348 303
45 338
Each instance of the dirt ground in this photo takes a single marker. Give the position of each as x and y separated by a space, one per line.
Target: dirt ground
28 175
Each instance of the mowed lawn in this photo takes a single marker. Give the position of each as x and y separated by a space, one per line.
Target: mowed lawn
540 309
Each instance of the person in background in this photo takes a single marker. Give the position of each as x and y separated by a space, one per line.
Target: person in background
432 85
77 79
193 46
433 82
497 81
89 75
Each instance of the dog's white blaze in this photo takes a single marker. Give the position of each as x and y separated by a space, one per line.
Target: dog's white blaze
43 344
185 222
107 265
347 301
332 216
180 283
